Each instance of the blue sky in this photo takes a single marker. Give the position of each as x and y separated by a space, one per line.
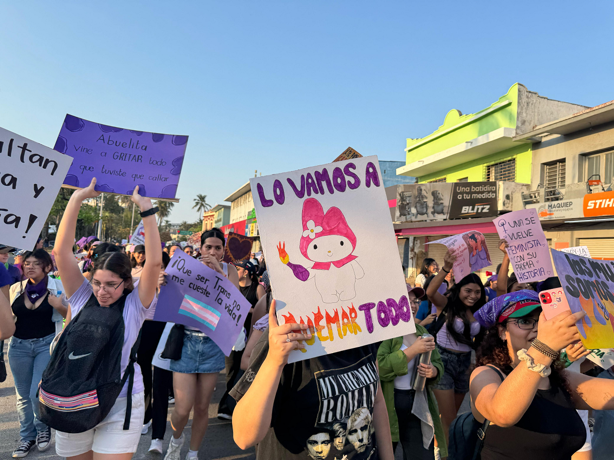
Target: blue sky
281 85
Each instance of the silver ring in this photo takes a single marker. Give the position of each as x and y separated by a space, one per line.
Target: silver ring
288 338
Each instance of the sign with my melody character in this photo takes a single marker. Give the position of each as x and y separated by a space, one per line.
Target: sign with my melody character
332 255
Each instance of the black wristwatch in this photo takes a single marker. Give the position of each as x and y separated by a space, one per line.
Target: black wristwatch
150 212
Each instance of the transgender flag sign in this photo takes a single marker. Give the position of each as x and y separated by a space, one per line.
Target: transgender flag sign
200 312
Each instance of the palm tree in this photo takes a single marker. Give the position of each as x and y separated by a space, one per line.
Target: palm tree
165 209
167 225
200 204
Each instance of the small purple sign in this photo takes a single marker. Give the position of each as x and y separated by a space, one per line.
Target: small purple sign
199 297
121 159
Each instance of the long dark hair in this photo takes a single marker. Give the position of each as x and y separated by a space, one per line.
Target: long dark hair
493 350
426 263
118 263
455 308
213 233
133 260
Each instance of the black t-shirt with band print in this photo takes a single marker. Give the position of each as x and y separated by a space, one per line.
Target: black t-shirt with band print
323 408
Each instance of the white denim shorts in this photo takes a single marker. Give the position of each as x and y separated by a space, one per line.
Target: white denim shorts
108 437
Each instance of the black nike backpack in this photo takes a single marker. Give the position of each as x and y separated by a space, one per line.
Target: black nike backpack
83 378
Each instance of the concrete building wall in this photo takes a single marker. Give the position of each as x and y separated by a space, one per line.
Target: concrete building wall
573 148
535 110
240 207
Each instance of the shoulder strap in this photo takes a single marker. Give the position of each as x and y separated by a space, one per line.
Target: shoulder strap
129 375
486 424
496 369
438 324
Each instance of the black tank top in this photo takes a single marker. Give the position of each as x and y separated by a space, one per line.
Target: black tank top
33 324
550 429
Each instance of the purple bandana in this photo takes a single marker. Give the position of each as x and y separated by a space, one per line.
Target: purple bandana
487 315
36 291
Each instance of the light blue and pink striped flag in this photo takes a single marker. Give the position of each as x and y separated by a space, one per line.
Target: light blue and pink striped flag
199 311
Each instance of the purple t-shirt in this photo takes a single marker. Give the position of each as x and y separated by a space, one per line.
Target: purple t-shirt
134 316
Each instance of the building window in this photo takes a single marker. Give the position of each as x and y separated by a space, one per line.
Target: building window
601 165
506 170
443 179
554 179
464 179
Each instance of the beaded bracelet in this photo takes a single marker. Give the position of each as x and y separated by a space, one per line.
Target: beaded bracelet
545 350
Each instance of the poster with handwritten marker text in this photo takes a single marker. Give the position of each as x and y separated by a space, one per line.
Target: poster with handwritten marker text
332 255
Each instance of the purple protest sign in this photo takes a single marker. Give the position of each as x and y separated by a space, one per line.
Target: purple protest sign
199 297
121 159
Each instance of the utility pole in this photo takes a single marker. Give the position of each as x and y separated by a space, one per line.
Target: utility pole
100 219
132 223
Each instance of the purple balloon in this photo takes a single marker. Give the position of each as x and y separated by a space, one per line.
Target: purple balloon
142 191
180 140
71 180
104 188
157 137
74 124
109 129
177 163
169 191
61 145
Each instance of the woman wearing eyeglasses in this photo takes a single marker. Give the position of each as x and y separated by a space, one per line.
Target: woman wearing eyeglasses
521 386
111 285
37 311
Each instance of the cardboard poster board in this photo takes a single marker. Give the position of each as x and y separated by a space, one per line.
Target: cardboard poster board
470 250
121 159
199 297
332 255
423 202
238 247
528 248
30 177
138 237
589 287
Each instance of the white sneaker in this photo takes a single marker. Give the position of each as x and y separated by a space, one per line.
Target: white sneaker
145 428
174 448
156 446
193 457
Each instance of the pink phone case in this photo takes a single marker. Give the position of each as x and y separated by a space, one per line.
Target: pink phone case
553 302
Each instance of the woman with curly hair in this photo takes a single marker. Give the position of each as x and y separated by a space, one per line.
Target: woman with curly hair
532 411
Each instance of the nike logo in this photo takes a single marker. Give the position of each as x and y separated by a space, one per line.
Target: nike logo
73 356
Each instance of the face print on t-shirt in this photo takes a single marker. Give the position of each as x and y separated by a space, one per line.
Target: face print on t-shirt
344 428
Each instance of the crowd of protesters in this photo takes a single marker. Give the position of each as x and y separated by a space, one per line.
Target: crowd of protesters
531 391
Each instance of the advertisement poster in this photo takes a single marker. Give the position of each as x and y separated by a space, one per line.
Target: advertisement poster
332 255
30 178
121 159
423 202
473 200
470 250
199 297
565 209
598 204
589 287
528 248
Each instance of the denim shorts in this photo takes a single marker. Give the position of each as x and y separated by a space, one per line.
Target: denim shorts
456 371
199 355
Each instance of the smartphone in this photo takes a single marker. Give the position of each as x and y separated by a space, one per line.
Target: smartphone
553 302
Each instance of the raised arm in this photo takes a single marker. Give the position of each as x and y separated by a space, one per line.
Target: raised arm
503 271
151 271
440 301
504 403
252 415
64 257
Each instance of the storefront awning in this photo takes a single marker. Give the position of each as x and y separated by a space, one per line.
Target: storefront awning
447 227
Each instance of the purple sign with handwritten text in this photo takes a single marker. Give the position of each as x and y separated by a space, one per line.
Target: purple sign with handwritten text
121 159
528 248
199 297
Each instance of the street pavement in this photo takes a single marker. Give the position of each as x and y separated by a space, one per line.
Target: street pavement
218 443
